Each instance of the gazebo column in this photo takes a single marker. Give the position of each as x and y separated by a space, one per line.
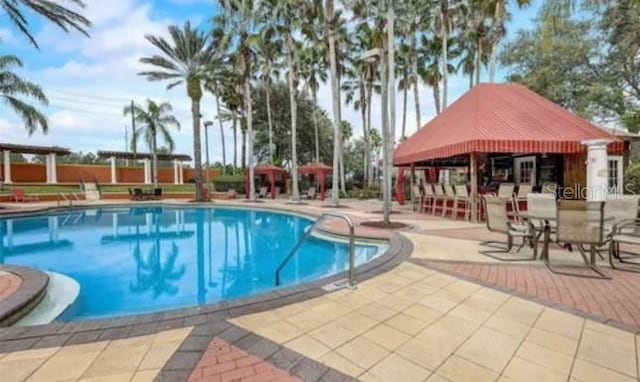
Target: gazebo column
180 173
473 179
7 166
597 169
272 181
147 171
113 170
54 168
176 178
400 186
322 178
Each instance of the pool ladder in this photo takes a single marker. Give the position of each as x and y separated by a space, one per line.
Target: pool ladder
67 197
347 219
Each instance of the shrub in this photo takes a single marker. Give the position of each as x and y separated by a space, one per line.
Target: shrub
632 179
224 183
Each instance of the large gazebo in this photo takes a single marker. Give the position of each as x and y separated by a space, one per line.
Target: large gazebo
272 172
320 171
50 153
509 133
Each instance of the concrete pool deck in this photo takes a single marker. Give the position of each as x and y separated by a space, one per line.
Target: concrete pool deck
445 313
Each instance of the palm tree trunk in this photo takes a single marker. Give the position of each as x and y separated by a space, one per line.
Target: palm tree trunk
269 120
315 124
235 142
498 22
471 80
154 148
405 92
197 150
343 182
224 152
445 57
249 112
295 194
243 154
335 101
368 143
436 96
414 76
365 130
479 61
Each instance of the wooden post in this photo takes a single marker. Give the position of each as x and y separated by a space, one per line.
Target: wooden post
473 164
413 174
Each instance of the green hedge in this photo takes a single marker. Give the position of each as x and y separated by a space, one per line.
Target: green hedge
632 179
224 183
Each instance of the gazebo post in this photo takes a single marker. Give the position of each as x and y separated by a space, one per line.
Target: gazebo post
246 185
473 178
7 166
113 170
400 186
322 178
272 181
176 179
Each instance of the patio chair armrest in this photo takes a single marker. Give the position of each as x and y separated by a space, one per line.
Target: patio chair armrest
625 223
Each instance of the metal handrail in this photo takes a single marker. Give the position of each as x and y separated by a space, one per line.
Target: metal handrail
347 219
70 201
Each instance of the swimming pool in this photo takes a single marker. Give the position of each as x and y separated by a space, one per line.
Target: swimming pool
138 260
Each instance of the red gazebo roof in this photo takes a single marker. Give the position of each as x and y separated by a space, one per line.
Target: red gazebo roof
315 167
507 118
268 168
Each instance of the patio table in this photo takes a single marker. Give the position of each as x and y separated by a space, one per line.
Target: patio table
547 219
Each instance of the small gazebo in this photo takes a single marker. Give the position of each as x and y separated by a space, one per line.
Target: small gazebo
320 171
272 172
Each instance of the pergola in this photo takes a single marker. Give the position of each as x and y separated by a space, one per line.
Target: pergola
49 151
146 158
504 118
320 170
272 172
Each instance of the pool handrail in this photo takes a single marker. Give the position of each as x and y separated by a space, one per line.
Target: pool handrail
294 250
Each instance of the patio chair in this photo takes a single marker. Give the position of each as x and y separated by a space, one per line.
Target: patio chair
428 197
626 232
311 193
497 221
618 209
417 198
462 196
581 223
505 191
524 189
542 210
157 193
18 195
438 196
549 188
138 194
262 192
449 196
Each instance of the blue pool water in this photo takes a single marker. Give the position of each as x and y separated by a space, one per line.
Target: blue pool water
139 260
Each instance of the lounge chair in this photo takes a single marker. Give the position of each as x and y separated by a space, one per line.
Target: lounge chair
311 193
581 223
19 196
262 192
497 221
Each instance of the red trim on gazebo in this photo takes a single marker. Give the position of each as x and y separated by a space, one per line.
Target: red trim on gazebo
321 170
270 170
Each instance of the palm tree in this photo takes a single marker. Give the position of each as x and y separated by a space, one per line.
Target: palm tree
330 23
403 69
12 88
153 119
356 84
269 49
430 72
313 70
498 29
217 75
63 17
186 59
237 21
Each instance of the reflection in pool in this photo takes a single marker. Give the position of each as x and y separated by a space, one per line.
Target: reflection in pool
148 259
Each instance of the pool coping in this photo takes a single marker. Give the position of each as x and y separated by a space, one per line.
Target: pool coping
28 295
58 334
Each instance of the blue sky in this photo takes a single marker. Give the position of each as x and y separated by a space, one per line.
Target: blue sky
88 81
